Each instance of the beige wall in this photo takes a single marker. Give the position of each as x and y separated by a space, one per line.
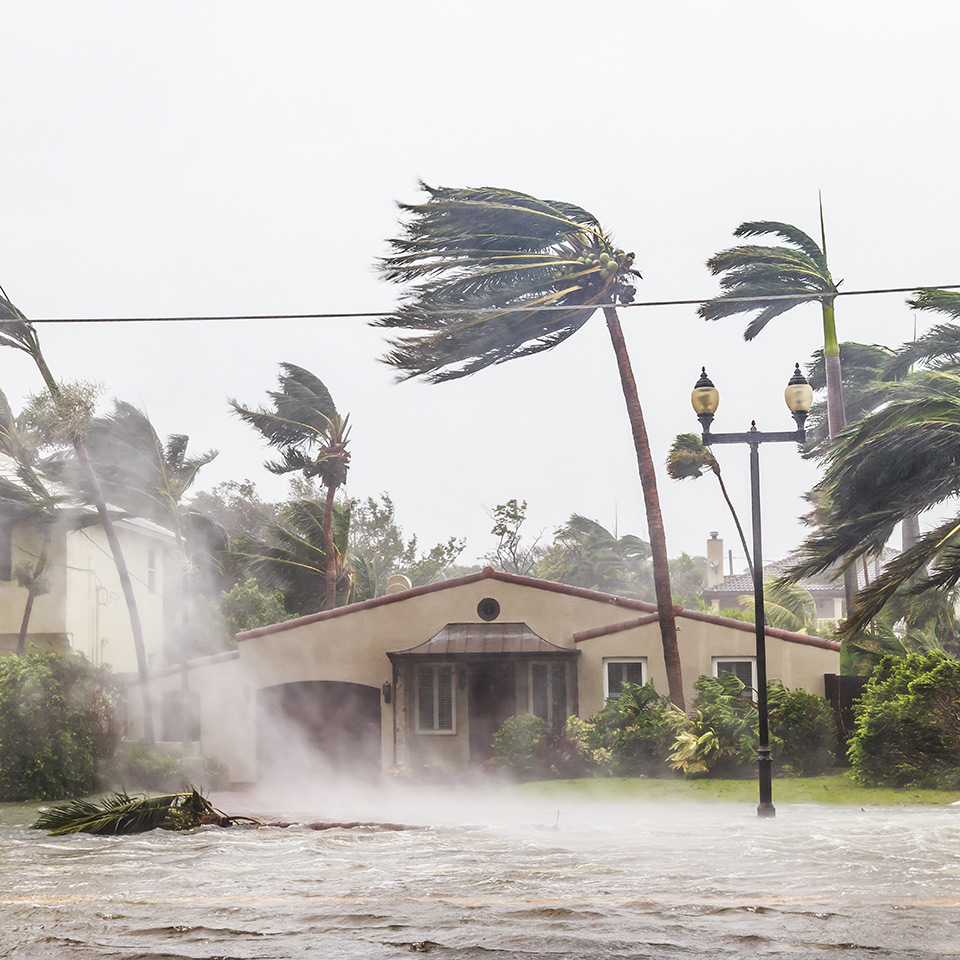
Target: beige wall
95 607
48 616
85 602
352 647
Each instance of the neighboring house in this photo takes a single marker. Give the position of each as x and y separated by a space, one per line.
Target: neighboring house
827 590
423 677
83 609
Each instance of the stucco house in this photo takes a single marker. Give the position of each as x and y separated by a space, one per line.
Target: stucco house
83 609
424 676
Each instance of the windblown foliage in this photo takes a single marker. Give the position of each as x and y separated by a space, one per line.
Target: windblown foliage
751 270
58 722
908 723
473 256
894 464
124 814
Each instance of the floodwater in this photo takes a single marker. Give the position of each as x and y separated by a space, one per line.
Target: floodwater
494 878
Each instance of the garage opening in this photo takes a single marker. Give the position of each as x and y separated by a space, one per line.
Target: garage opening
318 726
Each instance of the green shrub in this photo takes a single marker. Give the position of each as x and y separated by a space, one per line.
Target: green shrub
140 767
519 745
634 732
720 737
804 728
58 724
908 723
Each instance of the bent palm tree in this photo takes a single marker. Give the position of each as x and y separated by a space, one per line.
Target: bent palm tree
17 332
896 463
497 275
688 458
789 274
138 471
312 439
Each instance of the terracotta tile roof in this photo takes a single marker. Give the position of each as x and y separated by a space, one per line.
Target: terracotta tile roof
488 573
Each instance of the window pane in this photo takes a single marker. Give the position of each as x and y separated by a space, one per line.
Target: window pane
614 680
633 672
425 719
742 669
539 691
559 693
444 698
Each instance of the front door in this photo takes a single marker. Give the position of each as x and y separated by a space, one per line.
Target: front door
491 699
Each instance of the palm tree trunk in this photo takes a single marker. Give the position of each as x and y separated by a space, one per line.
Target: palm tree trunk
836 415
31 591
736 520
330 559
126 584
651 499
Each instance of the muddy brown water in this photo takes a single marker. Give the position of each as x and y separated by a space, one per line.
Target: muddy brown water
492 879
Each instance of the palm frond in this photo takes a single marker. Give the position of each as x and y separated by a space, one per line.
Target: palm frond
937 349
482 264
16 331
119 813
756 271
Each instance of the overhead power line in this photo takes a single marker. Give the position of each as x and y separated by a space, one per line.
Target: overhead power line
372 315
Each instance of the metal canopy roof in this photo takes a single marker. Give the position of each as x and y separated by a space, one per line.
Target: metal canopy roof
485 639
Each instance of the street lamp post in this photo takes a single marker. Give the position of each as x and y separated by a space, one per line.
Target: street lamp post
705 399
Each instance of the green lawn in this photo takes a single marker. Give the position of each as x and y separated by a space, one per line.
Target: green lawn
838 789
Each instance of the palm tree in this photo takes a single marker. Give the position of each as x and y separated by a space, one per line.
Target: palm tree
895 463
688 458
786 606
865 369
586 554
141 473
17 332
29 501
293 554
312 437
789 275
494 275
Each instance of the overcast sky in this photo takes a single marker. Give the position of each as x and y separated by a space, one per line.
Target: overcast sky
199 158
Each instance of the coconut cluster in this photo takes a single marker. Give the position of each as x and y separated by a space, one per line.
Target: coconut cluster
592 265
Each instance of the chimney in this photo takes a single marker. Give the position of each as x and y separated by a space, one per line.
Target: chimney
714 560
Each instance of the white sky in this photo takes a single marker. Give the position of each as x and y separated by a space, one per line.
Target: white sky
238 157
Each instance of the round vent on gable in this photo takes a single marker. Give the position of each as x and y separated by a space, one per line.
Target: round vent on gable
488 609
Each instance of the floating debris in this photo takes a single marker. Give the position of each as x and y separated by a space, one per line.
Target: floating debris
121 813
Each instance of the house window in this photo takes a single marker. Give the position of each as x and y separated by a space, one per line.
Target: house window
435 699
548 691
180 716
618 672
745 668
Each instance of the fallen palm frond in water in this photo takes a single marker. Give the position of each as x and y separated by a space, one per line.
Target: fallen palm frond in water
124 814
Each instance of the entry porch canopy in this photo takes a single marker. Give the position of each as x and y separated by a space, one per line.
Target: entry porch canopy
483 640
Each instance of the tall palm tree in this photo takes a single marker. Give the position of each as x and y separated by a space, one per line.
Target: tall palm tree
895 463
688 458
312 438
17 332
789 273
494 275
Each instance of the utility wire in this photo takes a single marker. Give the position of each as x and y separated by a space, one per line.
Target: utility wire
813 295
